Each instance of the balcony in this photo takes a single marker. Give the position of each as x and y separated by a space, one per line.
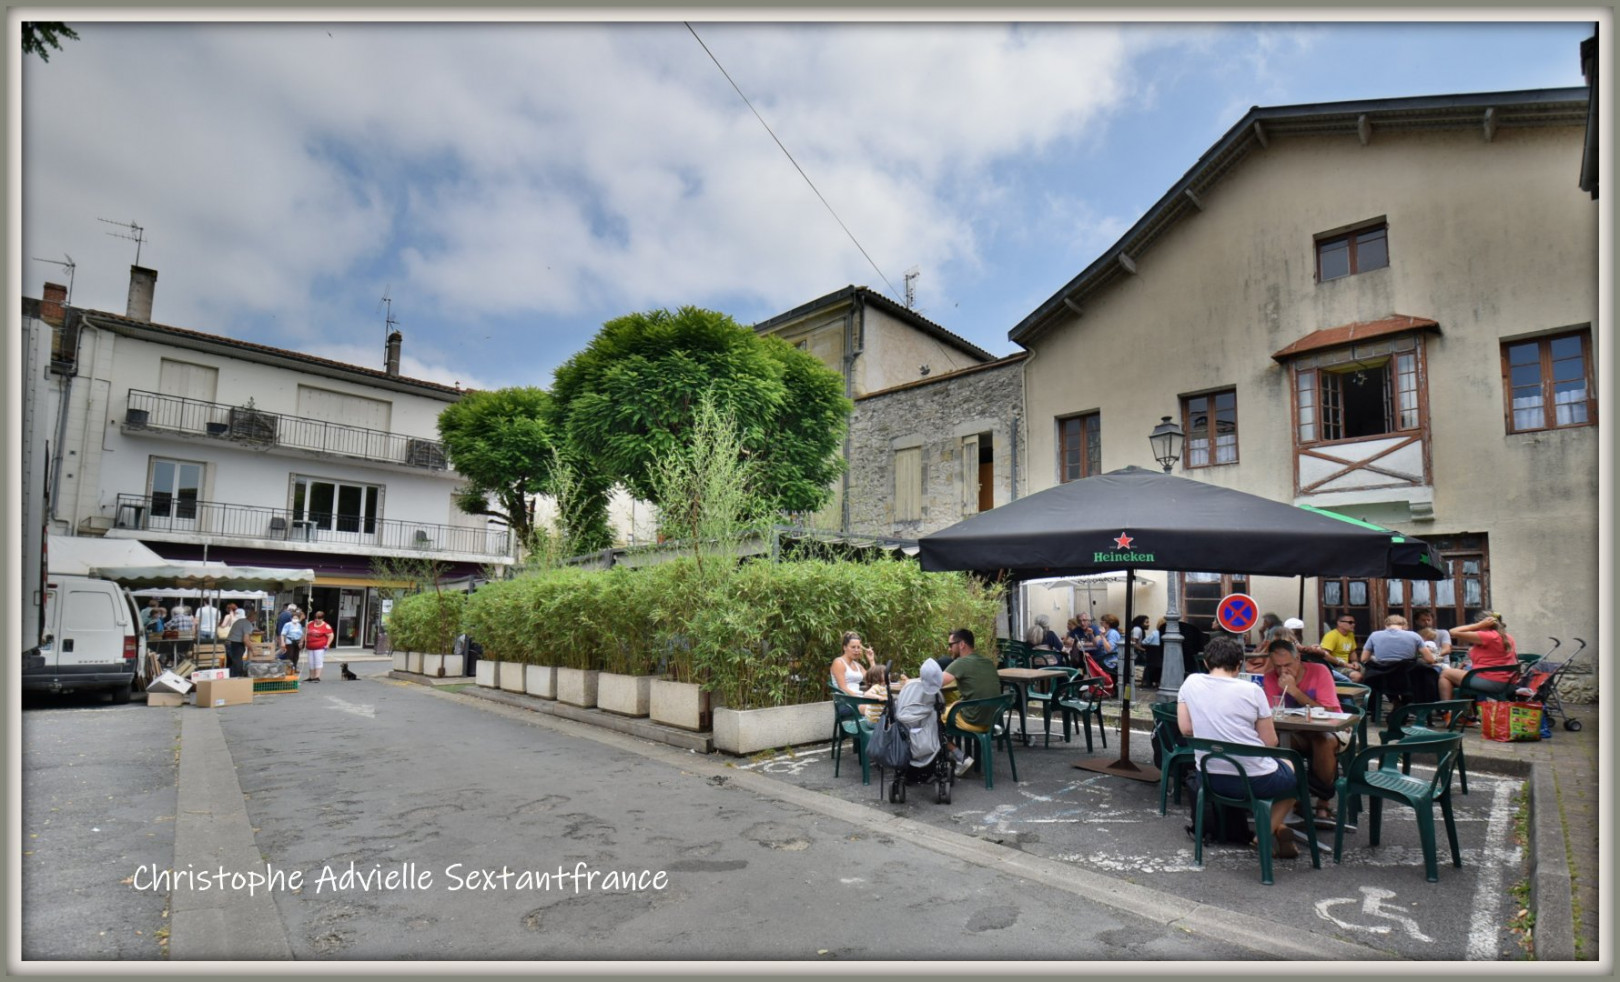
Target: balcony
257 428
260 527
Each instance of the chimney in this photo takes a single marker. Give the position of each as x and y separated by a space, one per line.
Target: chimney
394 341
141 283
51 303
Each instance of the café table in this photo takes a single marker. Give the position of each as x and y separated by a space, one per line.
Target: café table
1022 678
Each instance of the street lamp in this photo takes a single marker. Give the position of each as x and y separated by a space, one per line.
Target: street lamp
1167 440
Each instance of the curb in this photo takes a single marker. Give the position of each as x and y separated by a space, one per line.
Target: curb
1549 872
645 729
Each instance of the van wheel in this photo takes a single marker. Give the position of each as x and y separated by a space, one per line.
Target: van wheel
120 695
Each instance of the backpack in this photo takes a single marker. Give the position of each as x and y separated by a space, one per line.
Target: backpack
1230 828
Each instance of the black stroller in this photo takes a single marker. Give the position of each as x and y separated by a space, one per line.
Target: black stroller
889 747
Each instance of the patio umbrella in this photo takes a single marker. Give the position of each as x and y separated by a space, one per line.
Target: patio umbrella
1133 519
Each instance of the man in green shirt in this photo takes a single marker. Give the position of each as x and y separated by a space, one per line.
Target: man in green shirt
976 678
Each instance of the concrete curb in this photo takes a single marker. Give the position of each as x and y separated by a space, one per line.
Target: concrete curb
212 832
1549 872
1263 936
634 726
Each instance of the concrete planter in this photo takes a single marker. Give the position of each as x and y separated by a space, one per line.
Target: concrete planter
413 662
441 666
488 673
511 676
747 731
400 661
627 695
681 704
540 680
577 686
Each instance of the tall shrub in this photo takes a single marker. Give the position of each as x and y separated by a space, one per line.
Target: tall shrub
427 621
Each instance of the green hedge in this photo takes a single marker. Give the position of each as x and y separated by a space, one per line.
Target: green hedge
427 622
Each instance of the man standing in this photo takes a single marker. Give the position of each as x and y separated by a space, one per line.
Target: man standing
976 678
236 644
207 622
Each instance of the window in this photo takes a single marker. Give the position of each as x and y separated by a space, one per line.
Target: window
1348 394
978 473
1211 425
908 485
1466 586
1356 252
176 488
1551 371
1201 593
336 506
1079 447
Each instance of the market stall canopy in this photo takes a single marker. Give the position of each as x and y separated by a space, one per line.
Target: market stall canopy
75 555
207 576
192 593
1141 519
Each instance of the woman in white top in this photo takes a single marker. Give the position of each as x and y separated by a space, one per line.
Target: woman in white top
853 662
1224 706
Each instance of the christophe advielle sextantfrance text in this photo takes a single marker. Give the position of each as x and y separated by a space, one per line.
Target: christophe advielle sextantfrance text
405 877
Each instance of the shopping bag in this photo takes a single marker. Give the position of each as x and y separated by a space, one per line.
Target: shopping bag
1510 722
889 746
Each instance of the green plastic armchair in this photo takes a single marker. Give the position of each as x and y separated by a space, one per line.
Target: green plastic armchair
1079 700
1384 781
1260 808
1174 754
1418 719
854 726
983 741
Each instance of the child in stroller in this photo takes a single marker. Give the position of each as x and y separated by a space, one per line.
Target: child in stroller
918 708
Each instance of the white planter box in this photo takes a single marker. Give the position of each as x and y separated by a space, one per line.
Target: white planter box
400 664
512 676
577 687
627 695
540 680
682 704
413 662
747 731
441 666
488 673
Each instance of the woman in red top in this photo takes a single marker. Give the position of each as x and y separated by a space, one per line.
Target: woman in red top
1491 647
317 638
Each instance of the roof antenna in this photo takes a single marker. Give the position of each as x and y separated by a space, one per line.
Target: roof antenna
137 237
388 319
911 287
70 265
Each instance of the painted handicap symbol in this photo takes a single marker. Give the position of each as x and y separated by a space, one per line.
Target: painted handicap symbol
1372 905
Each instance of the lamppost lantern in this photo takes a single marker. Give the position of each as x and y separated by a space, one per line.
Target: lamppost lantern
1166 440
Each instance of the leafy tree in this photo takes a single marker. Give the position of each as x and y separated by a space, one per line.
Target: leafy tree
631 397
36 35
501 442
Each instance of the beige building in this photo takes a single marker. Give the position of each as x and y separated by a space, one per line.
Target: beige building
1388 309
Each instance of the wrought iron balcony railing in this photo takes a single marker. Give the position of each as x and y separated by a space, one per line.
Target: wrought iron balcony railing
156 411
170 513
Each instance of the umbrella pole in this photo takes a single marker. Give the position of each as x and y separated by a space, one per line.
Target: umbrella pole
1124 766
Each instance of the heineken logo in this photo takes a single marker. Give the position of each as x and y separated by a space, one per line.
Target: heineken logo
1122 557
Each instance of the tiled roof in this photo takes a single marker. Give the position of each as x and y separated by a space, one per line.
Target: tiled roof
1332 337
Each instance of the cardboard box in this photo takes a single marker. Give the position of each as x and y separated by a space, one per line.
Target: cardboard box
205 674
165 699
169 682
214 693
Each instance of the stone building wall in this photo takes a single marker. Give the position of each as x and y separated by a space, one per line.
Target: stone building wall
940 416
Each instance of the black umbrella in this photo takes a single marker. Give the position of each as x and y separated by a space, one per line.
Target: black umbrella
1133 519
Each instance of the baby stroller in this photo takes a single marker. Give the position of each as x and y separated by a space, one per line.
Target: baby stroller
889 748
1539 683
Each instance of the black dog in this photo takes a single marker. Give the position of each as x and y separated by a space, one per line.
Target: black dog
348 676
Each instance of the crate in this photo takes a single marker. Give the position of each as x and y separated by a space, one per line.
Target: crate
287 684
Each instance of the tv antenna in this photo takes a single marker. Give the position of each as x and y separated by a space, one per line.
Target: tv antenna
69 265
137 235
388 319
911 287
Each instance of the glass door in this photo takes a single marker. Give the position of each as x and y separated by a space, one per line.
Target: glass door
176 491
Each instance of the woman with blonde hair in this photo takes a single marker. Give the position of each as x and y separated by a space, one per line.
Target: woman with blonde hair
1490 647
854 661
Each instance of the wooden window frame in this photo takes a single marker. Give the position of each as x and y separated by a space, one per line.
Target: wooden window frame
1211 433
1382 601
916 490
1321 410
1549 408
1090 452
1351 240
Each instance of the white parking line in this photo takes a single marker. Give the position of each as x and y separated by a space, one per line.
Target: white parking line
1483 930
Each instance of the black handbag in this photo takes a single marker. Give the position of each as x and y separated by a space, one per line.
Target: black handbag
890 744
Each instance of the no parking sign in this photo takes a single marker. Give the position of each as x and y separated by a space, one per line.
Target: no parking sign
1237 612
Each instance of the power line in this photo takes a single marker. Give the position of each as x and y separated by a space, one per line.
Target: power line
893 292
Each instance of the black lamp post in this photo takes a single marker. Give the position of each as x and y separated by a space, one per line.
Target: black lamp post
1167 440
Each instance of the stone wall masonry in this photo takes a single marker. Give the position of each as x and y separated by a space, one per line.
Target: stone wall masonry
935 415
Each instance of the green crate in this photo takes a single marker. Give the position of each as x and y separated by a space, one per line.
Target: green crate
274 685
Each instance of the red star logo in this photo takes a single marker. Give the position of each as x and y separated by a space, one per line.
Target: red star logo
1124 541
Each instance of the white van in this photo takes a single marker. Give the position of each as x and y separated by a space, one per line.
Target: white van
91 639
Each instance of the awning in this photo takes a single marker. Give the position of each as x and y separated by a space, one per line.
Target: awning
1333 337
207 576
74 555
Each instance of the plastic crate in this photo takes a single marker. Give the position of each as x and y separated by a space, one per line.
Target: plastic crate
261 686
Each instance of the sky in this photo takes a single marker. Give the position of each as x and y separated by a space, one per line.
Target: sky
511 186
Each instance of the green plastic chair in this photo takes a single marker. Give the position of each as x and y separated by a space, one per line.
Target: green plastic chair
1078 700
1418 719
984 741
1359 699
1174 754
1045 699
1014 654
1260 808
855 727
1419 794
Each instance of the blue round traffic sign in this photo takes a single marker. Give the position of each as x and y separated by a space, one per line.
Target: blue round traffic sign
1237 612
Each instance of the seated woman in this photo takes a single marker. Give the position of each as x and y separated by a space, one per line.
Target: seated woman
1108 645
1490 647
854 660
1221 705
